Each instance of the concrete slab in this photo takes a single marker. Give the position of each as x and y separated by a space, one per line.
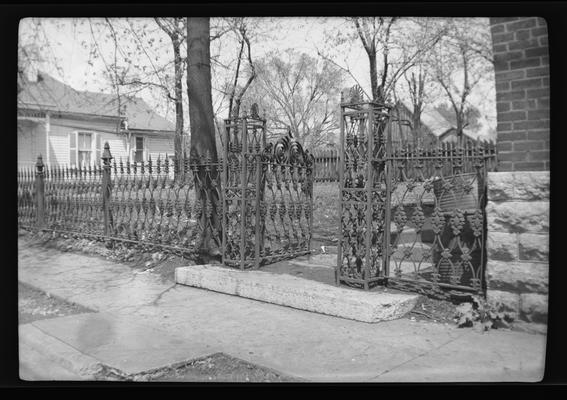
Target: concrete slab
122 343
35 366
299 293
297 343
521 358
60 361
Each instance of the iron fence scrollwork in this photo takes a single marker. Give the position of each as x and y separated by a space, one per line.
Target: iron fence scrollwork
412 217
268 195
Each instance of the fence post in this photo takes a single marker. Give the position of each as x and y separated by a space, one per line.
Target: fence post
106 188
40 191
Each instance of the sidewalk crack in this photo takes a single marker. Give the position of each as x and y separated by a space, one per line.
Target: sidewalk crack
418 356
159 296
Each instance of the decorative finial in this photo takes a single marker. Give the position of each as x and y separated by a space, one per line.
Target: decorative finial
106 156
254 111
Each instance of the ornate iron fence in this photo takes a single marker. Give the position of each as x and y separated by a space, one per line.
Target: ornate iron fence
140 203
413 217
268 196
363 196
27 196
150 206
326 165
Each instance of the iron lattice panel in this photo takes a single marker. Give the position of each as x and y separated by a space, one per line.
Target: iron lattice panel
437 223
268 196
149 205
27 208
73 201
411 217
245 138
286 207
363 196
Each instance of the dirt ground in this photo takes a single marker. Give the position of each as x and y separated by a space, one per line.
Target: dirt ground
219 368
34 305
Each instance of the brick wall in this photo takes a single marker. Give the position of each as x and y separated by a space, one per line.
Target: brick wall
522 93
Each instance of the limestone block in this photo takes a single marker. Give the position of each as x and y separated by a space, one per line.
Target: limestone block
500 186
518 216
299 293
517 276
502 246
504 301
533 246
531 186
534 307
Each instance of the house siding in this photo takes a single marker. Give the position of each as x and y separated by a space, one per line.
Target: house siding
59 145
62 128
117 145
160 147
31 142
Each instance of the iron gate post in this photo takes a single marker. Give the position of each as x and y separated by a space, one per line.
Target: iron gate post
387 204
106 188
243 187
225 172
40 191
259 222
341 186
369 189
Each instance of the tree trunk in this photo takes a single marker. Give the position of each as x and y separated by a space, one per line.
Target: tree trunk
178 139
374 76
203 146
459 130
416 124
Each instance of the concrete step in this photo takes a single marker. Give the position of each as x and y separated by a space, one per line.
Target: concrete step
303 294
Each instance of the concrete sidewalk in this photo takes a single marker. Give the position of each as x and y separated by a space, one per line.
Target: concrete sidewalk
145 323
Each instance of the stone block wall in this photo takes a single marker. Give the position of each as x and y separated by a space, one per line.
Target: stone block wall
517 269
521 66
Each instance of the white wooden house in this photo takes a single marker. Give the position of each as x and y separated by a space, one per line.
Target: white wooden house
70 127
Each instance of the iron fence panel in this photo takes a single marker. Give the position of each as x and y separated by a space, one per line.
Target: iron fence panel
412 217
268 196
27 201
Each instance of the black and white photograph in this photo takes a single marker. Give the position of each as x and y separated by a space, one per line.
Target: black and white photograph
283 199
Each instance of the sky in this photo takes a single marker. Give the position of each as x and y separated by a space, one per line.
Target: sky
67 56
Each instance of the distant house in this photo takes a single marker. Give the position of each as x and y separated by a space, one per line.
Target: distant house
402 130
434 127
70 127
450 136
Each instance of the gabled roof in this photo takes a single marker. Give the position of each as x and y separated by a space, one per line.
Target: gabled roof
453 130
49 94
432 119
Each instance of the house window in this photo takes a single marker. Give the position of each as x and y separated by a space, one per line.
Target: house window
85 148
139 150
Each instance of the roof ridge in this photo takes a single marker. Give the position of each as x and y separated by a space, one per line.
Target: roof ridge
51 92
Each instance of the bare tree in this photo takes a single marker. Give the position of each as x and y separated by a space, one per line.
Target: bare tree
240 26
299 92
175 28
398 53
460 60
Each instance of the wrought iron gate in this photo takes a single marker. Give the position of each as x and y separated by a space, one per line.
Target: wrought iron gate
268 196
412 217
